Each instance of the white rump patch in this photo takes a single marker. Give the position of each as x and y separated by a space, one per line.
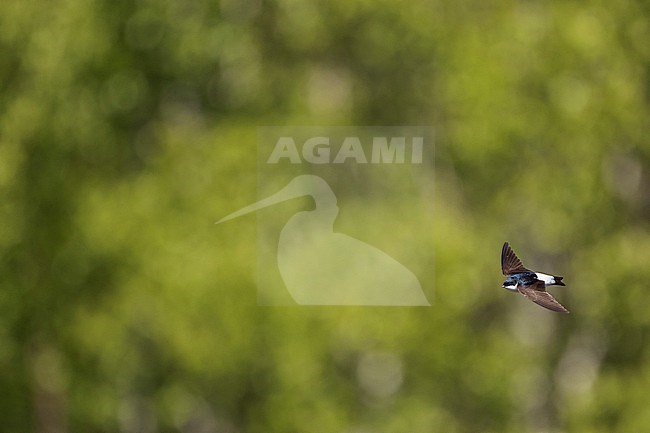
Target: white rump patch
548 279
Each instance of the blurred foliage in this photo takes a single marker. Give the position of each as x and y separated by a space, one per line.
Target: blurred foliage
128 128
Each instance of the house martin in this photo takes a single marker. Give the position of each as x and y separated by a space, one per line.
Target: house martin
529 283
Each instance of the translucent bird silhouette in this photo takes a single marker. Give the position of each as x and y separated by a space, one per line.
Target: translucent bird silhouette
321 267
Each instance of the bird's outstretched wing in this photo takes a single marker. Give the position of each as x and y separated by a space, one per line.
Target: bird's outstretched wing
510 263
538 294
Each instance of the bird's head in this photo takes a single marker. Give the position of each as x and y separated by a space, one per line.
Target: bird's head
510 283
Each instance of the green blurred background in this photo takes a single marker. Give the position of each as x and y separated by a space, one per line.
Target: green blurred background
127 128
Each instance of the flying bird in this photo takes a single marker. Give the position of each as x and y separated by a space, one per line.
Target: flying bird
529 283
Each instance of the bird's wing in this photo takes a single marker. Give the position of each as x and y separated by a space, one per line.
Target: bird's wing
510 263
538 294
